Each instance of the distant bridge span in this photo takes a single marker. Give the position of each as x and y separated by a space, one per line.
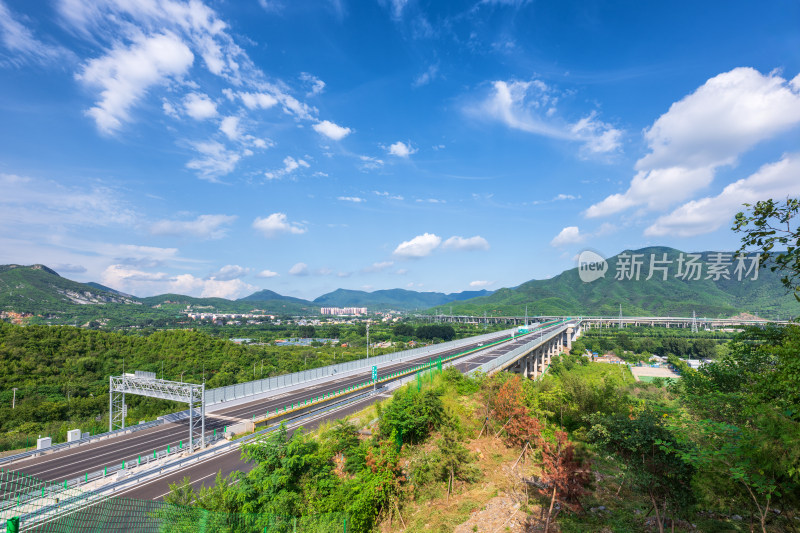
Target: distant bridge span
590 322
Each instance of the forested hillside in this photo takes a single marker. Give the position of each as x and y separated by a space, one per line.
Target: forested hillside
567 294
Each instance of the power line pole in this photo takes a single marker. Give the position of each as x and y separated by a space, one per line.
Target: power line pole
14 399
620 316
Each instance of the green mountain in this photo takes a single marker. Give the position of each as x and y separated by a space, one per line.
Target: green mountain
38 289
281 305
566 294
109 289
269 296
399 299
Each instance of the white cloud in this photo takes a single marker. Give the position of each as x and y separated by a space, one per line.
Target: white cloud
199 106
378 267
316 84
370 163
68 268
230 127
24 46
568 235
125 74
470 243
204 226
480 284
397 7
136 281
215 160
426 77
271 6
562 196
30 202
710 128
210 288
267 274
388 195
331 130
599 137
169 109
530 106
419 246
354 199
299 269
154 43
401 149
121 276
290 164
773 180
229 272
258 100
277 224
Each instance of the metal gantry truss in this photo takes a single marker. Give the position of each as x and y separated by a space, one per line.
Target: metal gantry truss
146 384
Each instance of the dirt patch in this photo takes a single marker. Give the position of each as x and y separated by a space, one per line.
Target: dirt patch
498 497
499 514
661 372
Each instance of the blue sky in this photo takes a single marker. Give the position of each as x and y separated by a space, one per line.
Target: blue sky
216 148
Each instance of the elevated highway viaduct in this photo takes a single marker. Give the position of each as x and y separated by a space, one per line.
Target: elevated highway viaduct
75 462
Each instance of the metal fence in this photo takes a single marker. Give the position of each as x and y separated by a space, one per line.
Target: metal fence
250 388
125 515
67 445
71 510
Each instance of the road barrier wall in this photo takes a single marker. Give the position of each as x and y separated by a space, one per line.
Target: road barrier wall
499 362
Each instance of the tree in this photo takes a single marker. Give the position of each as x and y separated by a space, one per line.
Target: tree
404 330
567 475
743 420
653 457
307 332
675 345
454 460
704 349
768 224
412 414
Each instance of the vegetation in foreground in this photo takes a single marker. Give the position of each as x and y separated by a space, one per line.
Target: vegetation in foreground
584 449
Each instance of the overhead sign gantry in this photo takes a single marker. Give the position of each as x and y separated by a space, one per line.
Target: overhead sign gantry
146 384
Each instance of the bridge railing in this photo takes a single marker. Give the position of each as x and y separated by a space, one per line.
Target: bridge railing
251 388
517 352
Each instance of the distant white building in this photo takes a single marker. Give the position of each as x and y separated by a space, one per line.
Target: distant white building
341 311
